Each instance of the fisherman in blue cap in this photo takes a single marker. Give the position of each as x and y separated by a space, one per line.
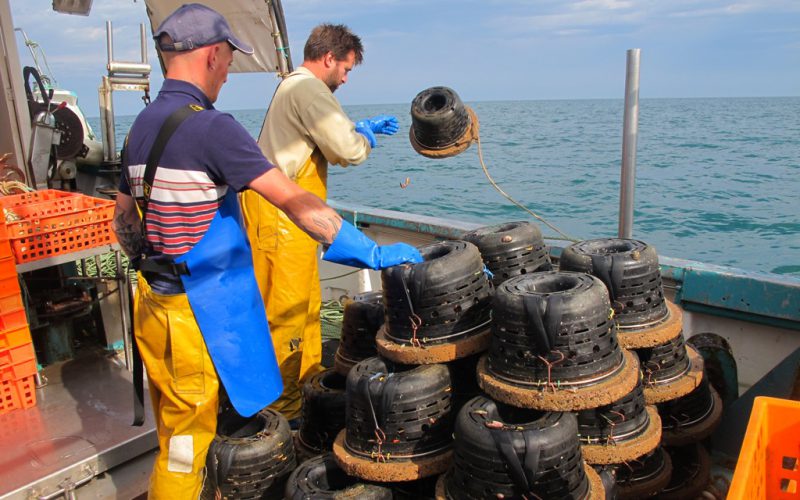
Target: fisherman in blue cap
198 314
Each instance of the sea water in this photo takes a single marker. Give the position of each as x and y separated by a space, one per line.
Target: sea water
717 179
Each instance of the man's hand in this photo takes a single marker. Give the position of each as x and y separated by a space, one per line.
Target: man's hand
383 124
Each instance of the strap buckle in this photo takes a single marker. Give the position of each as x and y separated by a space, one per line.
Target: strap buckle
164 267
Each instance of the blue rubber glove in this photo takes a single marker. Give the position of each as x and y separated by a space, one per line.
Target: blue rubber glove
383 124
364 129
352 248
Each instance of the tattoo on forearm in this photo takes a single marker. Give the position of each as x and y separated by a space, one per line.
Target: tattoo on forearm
324 228
129 234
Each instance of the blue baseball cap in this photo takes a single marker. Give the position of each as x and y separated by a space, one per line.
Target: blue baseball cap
194 25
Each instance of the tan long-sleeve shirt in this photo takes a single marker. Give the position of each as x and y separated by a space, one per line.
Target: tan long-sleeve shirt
305 115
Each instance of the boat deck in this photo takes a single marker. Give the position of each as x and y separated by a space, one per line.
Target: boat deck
79 428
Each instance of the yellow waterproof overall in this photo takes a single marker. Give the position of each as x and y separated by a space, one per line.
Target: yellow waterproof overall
183 388
285 263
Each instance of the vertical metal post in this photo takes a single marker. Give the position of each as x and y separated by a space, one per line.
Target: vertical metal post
143 38
107 126
630 133
123 288
109 43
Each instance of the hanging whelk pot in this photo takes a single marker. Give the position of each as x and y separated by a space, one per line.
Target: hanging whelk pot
437 310
510 249
553 345
399 421
507 452
630 271
645 476
441 125
363 316
323 412
621 431
691 418
321 478
670 370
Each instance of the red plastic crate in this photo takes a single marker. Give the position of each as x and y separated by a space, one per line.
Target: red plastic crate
18 371
55 222
10 301
16 355
13 319
17 394
15 337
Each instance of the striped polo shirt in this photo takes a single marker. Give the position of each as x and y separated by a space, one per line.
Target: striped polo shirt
208 154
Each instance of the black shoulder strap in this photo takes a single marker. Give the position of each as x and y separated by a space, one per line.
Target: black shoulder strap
164 134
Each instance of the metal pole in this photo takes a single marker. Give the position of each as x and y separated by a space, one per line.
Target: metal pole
109 42
630 133
143 36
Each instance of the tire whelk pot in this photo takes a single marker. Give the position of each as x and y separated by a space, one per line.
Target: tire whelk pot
437 310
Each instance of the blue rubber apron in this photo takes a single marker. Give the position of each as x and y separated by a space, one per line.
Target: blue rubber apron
222 290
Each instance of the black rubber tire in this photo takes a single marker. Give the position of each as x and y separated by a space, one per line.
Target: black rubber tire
482 470
412 406
448 291
323 410
250 457
645 476
630 270
363 317
691 472
501 238
572 309
665 361
627 416
321 478
510 249
438 117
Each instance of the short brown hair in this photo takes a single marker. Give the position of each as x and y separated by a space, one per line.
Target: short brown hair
335 38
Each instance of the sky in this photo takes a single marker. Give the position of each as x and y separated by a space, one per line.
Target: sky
488 50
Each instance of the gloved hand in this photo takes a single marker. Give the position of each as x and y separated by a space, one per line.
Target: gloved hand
352 248
364 129
383 124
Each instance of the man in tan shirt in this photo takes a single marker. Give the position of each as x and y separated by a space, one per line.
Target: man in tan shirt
305 129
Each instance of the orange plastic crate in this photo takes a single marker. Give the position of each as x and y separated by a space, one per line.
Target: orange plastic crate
13 319
769 462
5 245
42 196
18 371
3 231
17 355
15 337
10 301
9 286
17 394
55 222
8 267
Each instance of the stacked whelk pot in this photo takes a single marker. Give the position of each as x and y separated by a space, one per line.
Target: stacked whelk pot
672 376
521 438
400 414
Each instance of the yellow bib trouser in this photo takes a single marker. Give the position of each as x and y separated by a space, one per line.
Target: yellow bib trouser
184 390
285 262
